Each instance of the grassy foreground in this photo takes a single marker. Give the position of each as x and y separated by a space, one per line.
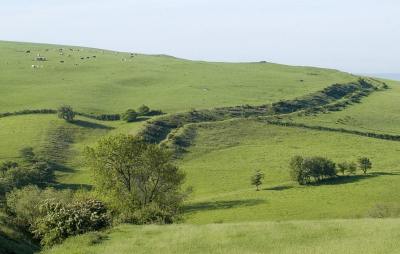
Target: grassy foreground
368 236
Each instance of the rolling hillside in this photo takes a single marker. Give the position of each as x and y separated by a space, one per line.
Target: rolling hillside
222 147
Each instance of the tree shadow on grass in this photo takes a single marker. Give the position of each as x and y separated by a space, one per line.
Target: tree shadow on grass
352 178
91 125
279 188
216 205
342 180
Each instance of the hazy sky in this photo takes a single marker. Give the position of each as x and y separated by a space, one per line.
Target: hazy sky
360 36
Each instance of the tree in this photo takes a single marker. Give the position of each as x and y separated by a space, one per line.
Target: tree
297 171
66 113
130 115
364 163
343 167
135 176
257 178
143 110
352 168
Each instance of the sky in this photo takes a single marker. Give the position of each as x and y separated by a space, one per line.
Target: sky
359 36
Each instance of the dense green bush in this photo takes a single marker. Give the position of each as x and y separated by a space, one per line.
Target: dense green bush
66 113
38 173
60 220
23 204
303 170
51 215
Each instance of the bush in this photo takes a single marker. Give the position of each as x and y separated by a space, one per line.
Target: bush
62 220
23 204
143 110
153 214
39 173
66 113
130 115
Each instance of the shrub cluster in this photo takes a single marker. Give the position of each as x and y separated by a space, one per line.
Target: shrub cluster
51 216
131 115
61 220
303 170
34 170
306 170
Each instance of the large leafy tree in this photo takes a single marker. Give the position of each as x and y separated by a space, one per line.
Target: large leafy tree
136 175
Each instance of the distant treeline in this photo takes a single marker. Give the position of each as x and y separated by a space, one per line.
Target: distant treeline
332 98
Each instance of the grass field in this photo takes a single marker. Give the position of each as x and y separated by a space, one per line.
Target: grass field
298 237
224 214
225 155
113 82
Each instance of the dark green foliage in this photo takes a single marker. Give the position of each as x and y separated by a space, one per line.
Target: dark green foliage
39 173
60 220
28 112
349 167
6 166
51 215
135 175
130 115
143 110
324 97
317 168
66 113
257 179
35 170
365 164
23 204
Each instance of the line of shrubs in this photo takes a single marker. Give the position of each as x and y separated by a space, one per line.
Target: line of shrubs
158 130
321 128
28 112
307 170
67 113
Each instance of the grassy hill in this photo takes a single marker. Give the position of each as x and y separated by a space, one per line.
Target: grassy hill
116 81
295 237
220 156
